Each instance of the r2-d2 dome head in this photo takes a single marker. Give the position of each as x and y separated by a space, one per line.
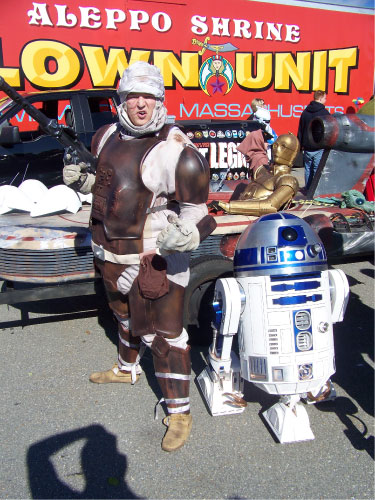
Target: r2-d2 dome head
279 244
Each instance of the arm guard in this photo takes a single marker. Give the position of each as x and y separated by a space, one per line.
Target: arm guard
206 226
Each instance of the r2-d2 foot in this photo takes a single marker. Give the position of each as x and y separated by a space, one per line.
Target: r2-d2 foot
288 420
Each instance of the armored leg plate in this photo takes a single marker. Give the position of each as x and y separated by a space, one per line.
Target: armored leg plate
289 423
223 394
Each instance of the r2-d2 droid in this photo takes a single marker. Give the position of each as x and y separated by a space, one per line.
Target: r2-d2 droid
282 302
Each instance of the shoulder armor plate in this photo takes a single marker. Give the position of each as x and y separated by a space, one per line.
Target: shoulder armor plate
192 176
288 180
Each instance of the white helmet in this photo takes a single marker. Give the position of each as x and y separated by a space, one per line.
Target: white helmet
33 189
141 77
85 198
11 198
59 198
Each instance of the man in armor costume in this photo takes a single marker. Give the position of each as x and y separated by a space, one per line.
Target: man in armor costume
273 186
148 212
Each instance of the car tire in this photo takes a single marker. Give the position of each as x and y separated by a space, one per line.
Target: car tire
198 312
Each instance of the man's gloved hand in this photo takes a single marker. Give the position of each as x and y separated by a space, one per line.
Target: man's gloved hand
75 177
72 173
179 236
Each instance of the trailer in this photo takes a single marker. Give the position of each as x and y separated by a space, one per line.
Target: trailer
49 257
267 49
263 49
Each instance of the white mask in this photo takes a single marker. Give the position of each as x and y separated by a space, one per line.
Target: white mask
142 77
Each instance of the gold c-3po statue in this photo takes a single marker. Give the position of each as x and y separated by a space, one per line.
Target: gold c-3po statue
273 186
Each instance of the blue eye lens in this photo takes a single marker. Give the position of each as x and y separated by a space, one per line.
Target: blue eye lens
359 201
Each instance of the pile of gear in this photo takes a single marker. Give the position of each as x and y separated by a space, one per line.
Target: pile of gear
349 199
34 197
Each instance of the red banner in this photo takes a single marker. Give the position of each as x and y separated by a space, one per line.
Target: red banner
215 57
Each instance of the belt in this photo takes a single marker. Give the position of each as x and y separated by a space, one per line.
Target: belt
105 255
171 205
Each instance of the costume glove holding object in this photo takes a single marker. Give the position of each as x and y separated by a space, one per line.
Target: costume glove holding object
72 173
75 177
179 236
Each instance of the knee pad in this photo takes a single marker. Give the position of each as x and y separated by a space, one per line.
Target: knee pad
124 322
180 341
148 339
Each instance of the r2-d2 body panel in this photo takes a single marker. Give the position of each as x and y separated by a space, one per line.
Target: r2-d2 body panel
285 332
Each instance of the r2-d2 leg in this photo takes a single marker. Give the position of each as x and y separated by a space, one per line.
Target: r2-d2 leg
221 382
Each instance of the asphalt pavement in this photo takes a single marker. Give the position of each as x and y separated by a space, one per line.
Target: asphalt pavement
63 437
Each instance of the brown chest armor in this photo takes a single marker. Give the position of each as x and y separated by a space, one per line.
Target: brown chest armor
120 199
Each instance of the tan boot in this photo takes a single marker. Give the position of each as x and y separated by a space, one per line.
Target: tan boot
114 375
179 428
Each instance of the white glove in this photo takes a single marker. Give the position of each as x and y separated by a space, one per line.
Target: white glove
72 173
179 236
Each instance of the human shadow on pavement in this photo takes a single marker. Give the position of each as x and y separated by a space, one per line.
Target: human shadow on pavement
103 468
356 430
354 351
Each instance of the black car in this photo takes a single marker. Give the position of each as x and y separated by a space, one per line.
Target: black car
26 152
